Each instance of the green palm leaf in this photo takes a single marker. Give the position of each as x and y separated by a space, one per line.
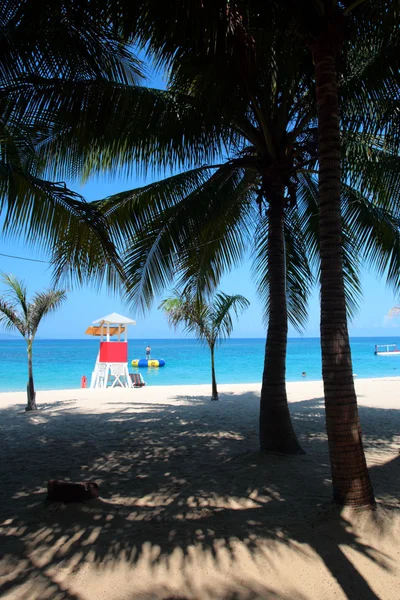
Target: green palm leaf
299 278
10 319
44 303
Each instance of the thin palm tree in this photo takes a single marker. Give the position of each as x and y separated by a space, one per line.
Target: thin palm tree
334 29
210 321
16 312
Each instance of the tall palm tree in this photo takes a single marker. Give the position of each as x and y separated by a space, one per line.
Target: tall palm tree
210 321
332 29
173 41
16 312
272 147
206 139
259 175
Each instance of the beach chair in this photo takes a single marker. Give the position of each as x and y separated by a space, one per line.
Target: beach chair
138 380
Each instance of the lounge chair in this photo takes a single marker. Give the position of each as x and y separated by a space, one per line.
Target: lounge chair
137 379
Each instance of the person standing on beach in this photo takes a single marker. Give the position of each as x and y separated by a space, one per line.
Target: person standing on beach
148 350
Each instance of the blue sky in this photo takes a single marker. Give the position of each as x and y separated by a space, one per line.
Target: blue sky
85 304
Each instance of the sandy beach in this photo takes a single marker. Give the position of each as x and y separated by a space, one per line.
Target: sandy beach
188 508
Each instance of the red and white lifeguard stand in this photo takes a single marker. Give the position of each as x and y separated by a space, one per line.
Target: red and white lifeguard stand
112 358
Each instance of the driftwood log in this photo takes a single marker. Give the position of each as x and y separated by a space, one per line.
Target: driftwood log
67 491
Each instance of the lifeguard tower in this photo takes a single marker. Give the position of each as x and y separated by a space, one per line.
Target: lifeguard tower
112 359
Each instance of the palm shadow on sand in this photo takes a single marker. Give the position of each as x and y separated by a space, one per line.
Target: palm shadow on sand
162 508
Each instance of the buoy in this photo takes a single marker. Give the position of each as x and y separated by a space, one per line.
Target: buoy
83 381
148 362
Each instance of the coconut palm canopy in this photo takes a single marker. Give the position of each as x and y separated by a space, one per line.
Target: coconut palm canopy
53 54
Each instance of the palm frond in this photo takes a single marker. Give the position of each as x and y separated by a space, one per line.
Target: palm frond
42 304
102 126
209 321
10 319
51 216
223 305
192 313
309 219
16 292
66 41
299 278
198 238
377 231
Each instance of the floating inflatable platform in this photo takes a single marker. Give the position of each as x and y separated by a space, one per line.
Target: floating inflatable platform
151 362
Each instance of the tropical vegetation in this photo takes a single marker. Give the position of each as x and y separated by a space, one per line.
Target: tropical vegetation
365 176
17 313
52 55
355 158
210 321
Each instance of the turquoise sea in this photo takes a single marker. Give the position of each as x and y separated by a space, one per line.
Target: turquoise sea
60 364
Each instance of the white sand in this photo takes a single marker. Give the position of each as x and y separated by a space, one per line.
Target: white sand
188 508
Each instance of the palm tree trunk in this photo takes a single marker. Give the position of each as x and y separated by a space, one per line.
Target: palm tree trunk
31 404
350 478
214 393
276 430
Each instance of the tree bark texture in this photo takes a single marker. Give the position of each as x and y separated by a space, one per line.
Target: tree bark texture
31 394
276 429
350 478
214 393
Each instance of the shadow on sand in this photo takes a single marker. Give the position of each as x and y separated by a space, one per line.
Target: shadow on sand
181 491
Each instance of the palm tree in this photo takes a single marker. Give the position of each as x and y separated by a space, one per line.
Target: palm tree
210 321
273 148
172 43
17 313
331 30
334 29
205 139
226 201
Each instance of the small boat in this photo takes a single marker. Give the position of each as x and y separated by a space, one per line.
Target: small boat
386 350
148 362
